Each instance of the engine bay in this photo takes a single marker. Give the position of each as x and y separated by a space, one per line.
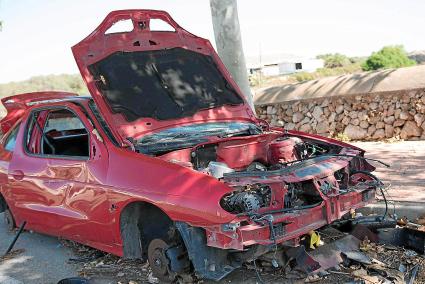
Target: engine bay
253 166
251 153
267 170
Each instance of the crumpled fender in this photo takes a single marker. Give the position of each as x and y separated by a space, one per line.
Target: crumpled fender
182 193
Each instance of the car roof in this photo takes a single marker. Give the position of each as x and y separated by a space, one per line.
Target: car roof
69 99
27 99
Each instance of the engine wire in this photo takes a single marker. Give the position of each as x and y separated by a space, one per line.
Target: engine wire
380 186
256 218
341 155
257 273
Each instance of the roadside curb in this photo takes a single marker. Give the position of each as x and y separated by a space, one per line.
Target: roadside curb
411 210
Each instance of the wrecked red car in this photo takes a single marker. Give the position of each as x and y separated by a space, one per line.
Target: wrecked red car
166 161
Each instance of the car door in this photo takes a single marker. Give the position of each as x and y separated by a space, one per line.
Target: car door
56 176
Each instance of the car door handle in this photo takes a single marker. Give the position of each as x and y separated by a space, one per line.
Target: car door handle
18 174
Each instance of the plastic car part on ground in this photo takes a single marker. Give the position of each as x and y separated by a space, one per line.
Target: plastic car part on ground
328 263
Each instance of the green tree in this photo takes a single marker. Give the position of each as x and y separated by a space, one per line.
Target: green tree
334 60
388 57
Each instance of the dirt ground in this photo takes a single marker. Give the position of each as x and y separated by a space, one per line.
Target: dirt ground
42 259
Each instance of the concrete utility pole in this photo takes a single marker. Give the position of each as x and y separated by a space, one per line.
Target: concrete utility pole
229 42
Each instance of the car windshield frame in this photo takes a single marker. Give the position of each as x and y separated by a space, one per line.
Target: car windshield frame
199 130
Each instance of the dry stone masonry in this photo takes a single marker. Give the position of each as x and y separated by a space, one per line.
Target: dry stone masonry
378 116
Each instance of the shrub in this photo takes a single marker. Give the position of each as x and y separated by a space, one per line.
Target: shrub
348 69
334 60
304 76
388 57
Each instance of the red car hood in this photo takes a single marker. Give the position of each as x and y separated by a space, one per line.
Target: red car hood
145 80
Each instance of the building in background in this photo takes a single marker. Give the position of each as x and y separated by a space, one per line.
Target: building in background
275 65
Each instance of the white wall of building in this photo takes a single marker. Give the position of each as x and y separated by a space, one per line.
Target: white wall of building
289 67
271 70
305 65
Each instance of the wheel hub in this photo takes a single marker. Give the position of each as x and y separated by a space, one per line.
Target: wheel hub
158 260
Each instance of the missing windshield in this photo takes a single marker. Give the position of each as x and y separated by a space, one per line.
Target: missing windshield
162 84
191 135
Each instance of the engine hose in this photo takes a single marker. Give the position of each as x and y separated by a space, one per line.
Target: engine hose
381 184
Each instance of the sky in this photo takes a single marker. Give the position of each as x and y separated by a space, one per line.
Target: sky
37 35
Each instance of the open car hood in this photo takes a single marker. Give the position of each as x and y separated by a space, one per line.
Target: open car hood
145 80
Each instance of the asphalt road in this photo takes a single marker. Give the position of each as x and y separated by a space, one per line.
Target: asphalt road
43 261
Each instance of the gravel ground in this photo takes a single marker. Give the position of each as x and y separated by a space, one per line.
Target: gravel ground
43 259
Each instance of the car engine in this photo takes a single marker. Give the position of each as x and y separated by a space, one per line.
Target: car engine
249 199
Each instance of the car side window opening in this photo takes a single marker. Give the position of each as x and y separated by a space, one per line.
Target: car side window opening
10 142
57 132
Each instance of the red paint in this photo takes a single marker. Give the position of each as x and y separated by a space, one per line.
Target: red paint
16 105
82 199
99 45
239 153
282 150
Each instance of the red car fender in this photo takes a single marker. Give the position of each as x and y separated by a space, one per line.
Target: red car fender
182 193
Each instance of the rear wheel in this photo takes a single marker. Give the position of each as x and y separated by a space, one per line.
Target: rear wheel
8 218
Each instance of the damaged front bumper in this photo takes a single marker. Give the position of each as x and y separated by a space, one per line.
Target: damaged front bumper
286 226
217 250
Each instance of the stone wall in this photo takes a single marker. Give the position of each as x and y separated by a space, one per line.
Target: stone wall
376 116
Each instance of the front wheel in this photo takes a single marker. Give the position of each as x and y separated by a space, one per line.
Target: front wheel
159 261
169 261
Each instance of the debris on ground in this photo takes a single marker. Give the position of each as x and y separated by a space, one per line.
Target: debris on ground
421 220
98 265
11 254
391 259
343 258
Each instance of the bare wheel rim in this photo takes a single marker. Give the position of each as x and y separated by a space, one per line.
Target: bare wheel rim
158 260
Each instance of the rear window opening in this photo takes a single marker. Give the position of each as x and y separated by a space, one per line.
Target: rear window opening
10 141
